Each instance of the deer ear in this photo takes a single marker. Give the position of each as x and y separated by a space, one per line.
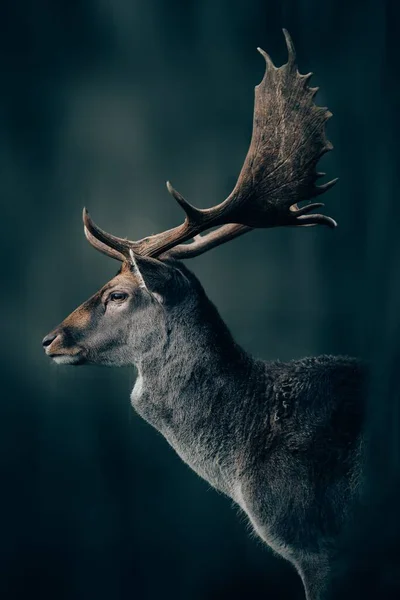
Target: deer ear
136 270
152 275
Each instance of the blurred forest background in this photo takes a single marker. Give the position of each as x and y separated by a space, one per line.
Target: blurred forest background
101 102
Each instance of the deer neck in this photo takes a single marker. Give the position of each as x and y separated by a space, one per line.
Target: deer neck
190 385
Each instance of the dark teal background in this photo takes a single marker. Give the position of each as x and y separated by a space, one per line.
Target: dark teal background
101 102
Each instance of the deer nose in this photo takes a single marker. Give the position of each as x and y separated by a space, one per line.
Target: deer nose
49 339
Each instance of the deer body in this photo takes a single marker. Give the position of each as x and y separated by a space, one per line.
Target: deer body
282 440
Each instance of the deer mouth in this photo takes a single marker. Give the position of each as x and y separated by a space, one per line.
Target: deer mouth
67 359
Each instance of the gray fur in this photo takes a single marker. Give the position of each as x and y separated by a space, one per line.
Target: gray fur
282 440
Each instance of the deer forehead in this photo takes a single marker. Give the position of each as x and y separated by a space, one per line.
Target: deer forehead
124 278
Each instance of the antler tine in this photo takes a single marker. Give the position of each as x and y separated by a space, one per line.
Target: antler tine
316 219
268 60
100 246
202 244
193 214
290 48
100 239
278 173
324 187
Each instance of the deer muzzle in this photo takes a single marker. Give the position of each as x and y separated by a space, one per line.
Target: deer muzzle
59 346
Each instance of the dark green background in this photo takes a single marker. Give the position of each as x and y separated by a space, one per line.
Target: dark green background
101 102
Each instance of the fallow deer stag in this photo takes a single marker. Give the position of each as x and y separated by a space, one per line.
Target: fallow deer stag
283 440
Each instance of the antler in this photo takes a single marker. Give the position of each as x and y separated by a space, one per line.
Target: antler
279 172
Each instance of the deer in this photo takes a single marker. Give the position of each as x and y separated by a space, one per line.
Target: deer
283 440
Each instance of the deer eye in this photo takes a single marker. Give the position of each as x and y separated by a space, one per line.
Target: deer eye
118 296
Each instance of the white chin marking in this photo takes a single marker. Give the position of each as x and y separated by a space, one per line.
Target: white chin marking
65 359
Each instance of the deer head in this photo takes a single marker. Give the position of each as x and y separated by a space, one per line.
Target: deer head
279 172
126 316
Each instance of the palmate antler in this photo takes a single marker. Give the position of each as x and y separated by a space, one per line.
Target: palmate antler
279 172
